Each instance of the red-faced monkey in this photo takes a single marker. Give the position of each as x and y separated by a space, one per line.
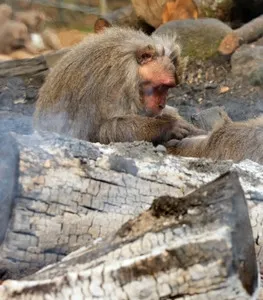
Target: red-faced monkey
231 140
42 38
13 35
112 87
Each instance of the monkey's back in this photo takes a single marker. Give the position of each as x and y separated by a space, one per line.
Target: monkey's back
91 83
237 141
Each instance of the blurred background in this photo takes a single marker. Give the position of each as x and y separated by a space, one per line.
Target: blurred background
69 13
71 20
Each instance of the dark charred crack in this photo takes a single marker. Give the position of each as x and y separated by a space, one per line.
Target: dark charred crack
24 233
93 209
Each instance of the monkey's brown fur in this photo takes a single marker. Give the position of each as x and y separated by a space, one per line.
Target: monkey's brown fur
13 35
36 25
112 88
231 140
33 19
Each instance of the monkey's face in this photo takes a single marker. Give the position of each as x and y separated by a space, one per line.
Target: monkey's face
157 75
34 20
19 36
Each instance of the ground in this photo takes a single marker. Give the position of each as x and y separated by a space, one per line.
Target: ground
217 87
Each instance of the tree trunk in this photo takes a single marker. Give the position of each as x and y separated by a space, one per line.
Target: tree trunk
70 192
191 247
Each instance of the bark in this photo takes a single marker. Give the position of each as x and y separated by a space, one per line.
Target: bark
125 17
243 35
191 247
71 192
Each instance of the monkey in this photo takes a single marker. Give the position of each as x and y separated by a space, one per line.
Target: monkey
13 35
33 19
179 10
6 13
42 38
112 87
228 140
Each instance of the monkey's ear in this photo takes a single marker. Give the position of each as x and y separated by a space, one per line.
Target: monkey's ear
101 24
145 55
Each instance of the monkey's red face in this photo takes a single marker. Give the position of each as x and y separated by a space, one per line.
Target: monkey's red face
157 76
154 98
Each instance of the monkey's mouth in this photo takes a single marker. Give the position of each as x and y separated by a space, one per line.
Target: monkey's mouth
154 98
19 43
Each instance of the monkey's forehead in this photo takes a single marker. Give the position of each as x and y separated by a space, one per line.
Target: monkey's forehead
169 43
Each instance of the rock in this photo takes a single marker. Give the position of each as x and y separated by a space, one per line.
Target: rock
256 76
199 38
247 62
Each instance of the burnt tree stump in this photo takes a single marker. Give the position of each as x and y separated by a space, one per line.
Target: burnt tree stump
69 193
200 246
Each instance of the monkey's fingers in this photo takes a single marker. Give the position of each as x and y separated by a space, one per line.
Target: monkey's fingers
172 143
197 131
179 133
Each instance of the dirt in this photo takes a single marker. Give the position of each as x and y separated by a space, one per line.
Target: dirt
212 84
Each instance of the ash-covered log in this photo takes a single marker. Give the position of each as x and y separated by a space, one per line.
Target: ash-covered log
71 192
200 246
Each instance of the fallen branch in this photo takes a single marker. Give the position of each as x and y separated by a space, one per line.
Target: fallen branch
243 35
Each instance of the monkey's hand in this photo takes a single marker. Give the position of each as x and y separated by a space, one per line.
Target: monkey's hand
192 146
157 130
182 129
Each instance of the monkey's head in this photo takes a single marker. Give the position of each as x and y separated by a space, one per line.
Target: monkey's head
131 67
34 20
5 11
17 34
157 75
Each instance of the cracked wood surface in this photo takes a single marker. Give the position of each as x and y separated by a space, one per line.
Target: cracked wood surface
191 247
72 192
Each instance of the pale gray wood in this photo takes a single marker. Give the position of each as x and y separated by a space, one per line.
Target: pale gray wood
197 247
72 192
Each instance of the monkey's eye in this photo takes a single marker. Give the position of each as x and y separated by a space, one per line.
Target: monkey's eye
146 56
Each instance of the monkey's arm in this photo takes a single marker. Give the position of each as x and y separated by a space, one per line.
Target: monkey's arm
51 39
231 140
137 128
